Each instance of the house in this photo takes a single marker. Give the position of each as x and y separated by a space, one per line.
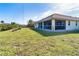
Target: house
58 22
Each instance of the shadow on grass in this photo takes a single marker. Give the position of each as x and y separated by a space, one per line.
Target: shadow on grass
47 33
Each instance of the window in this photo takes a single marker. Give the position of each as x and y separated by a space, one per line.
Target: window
76 23
68 22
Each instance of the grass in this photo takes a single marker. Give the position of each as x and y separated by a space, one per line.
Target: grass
28 42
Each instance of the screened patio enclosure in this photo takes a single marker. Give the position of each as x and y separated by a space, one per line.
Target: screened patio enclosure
45 25
60 24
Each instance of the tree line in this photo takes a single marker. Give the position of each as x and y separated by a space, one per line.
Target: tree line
7 26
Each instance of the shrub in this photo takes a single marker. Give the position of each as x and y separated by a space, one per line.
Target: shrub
4 27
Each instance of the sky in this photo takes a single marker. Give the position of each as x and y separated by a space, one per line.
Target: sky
22 12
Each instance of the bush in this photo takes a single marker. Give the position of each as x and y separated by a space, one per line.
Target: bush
4 27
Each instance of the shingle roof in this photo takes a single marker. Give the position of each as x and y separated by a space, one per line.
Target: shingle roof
60 17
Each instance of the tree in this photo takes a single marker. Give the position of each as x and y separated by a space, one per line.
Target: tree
2 21
30 23
13 23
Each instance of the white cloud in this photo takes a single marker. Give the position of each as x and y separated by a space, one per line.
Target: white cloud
26 19
44 14
35 18
61 8
66 8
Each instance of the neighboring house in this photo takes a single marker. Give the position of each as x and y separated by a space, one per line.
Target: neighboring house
58 22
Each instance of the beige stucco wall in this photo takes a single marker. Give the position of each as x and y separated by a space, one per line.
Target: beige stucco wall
72 25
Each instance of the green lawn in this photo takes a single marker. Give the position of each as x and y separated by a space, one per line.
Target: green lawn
33 42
